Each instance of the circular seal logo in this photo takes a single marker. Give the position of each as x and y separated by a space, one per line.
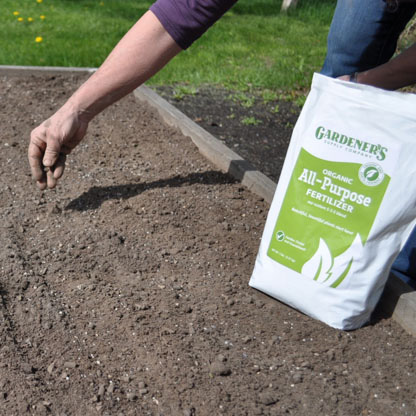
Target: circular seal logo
371 174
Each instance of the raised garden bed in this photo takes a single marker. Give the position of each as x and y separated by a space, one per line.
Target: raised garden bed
125 290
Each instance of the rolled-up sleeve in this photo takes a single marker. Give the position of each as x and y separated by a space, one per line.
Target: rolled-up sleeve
187 20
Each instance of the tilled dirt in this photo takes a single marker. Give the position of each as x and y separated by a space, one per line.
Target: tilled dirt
125 290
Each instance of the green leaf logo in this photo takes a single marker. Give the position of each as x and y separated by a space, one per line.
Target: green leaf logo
371 174
331 271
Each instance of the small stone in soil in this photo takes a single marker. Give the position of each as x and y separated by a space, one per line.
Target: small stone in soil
24 284
54 209
297 378
218 368
70 364
246 339
28 368
50 368
101 390
274 340
131 396
331 354
46 325
268 398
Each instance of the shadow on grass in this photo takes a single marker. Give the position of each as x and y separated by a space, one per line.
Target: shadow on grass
94 197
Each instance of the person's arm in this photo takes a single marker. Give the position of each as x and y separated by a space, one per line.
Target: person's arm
145 49
399 72
169 27
142 52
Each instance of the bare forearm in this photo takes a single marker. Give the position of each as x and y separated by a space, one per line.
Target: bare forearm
395 74
143 51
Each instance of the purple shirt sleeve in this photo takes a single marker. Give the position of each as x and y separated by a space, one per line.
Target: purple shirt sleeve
187 20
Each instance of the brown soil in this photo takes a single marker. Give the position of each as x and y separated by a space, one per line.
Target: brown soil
257 130
125 290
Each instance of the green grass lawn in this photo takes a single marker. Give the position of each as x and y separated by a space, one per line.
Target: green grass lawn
252 47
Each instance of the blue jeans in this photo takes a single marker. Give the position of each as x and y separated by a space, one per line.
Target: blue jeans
363 35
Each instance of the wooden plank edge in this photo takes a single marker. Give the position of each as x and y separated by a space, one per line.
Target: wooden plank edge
209 146
14 70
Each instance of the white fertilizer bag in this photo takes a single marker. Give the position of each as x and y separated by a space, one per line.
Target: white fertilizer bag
344 205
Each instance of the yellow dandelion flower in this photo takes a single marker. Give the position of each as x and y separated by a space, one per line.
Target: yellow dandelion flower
20 19
42 17
16 13
39 1
30 19
38 39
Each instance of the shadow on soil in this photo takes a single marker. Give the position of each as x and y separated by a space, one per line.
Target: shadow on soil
2 297
94 197
393 291
238 168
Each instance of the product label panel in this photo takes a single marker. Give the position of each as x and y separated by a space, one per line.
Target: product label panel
326 216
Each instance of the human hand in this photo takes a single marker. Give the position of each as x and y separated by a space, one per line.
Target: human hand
351 78
51 142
